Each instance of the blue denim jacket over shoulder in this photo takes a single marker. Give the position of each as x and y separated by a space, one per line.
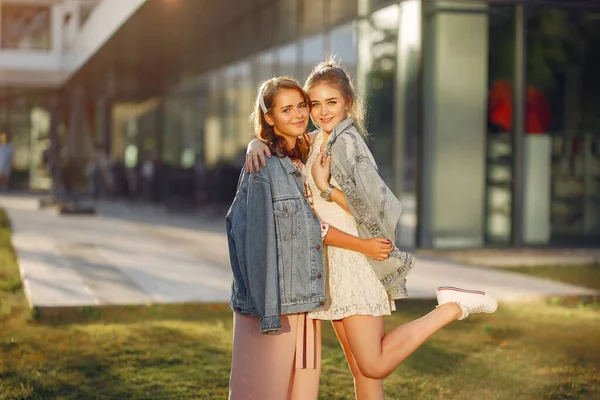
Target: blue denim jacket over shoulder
374 206
275 246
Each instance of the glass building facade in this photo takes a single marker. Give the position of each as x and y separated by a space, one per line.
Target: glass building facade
482 113
24 27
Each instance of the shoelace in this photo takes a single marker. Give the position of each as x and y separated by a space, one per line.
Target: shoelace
466 310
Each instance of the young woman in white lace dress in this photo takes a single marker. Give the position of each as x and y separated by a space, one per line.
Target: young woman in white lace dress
353 289
357 300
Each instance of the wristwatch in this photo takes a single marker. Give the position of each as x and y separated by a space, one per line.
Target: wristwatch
326 195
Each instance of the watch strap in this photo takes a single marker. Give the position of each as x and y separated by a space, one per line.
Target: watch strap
327 193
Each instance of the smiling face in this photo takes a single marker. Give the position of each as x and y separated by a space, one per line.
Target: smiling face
288 116
329 106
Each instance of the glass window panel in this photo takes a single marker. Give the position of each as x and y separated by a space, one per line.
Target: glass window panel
148 135
341 11
267 26
498 147
562 127
246 89
244 35
16 122
214 119
406 154
201 92
172 137
25 27
288 20
378 75
189 135
230 109
265 65
409 51
313 52
344 46
312 13
288 60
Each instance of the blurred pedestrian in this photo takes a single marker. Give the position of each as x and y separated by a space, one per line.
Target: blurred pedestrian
6 158
99 173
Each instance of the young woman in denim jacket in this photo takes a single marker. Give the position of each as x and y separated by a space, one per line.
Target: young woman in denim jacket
356 200
275 246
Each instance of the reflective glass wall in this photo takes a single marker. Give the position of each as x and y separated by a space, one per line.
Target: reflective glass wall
407 111
438 80
289 37
562 125
24 27
559 195
499 154
206 115
25 118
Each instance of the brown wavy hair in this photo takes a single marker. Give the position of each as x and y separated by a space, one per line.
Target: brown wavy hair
332 73
268 90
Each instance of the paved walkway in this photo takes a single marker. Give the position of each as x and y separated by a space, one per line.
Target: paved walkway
137 254
530 257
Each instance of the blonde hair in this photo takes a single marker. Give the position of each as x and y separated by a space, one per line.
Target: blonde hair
332 73
266 95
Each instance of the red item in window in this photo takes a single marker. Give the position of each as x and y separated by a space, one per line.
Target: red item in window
537 108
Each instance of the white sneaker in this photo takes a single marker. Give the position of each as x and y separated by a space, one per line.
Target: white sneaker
469 301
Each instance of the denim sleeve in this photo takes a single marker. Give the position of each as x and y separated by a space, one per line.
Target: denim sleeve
374 193
261 251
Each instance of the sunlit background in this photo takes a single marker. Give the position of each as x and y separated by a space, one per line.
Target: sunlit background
176 79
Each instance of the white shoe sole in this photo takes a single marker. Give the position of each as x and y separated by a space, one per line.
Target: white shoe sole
491 305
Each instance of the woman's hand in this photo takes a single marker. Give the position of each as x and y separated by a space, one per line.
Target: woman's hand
320 171
256 150
377 248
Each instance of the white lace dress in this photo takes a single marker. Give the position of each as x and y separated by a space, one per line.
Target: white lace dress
352 287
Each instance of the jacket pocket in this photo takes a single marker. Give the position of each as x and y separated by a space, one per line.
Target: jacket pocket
288 225
287 218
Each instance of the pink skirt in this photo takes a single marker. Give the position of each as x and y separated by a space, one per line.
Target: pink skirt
279 366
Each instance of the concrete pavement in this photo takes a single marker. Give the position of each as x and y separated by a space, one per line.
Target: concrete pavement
115 257
521 257
138 253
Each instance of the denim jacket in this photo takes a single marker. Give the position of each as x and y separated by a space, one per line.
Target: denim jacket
275 246
373 205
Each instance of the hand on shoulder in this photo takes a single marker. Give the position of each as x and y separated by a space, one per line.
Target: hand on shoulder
256 155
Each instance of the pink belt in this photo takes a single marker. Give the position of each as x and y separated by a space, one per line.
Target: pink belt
308 336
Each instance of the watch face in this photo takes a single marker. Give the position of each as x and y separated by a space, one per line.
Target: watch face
324 196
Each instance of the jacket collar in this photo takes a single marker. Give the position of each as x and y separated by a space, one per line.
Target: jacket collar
287 164
339 129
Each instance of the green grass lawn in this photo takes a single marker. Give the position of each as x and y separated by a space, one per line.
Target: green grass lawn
586 275
541 350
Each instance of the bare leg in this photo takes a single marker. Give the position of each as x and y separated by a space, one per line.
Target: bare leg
261 365
378 355
364 388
